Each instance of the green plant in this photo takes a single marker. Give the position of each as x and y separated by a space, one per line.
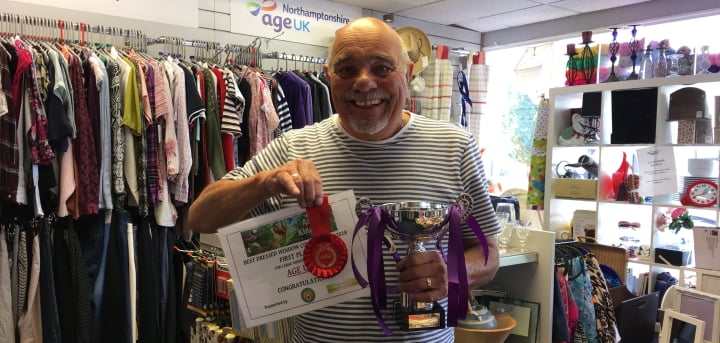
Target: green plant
680 219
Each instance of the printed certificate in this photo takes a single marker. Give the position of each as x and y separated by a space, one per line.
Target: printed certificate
657 171
265 258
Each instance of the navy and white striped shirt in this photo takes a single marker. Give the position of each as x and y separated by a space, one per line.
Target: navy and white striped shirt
428 160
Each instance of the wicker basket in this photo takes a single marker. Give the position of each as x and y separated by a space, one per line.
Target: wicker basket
613 257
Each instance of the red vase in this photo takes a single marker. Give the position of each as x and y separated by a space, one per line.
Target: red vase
618 179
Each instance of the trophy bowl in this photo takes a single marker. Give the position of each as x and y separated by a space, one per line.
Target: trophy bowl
417 220
416 223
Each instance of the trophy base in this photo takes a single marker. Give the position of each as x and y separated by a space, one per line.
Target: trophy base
419 319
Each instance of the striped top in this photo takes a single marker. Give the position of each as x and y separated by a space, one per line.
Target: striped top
428 160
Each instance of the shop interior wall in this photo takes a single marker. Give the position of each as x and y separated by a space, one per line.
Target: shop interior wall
214 20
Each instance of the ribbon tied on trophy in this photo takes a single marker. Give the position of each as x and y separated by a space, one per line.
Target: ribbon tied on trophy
416 222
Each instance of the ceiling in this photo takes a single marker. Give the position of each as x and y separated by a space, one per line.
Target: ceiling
487 15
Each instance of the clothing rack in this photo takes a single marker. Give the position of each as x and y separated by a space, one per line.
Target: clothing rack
72 32
243 54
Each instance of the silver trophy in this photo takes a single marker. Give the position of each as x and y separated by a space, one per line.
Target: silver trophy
417 223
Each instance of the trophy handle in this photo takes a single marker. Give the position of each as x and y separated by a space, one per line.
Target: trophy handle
465 201
363 204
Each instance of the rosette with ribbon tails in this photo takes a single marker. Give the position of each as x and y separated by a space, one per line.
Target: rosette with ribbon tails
325 255
416 223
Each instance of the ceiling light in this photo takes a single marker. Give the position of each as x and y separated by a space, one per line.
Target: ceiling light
389 18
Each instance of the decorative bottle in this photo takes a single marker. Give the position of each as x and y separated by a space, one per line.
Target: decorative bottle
661 65
646 68
703 60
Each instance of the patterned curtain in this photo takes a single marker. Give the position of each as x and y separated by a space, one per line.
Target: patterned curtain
536 179
477 83
436 98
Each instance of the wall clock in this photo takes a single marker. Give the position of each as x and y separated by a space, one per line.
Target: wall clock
700 193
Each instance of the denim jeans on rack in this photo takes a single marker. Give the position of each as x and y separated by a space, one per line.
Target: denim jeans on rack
114 315
49 309
94 234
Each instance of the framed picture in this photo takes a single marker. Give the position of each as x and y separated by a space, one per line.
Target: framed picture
708 281
525 313
701 305
681 328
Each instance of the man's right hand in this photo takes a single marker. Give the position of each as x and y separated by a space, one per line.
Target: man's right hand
298 178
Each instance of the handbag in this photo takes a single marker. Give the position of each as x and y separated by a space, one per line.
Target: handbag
663 281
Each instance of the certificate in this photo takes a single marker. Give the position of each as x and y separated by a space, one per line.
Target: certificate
657 171
265 259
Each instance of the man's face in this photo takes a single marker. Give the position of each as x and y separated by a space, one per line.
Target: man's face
369 80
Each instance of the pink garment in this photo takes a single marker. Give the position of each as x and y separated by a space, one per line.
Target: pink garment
181 188
67 180
263 119
165 109
571 309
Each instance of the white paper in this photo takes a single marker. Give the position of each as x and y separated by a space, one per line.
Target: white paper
657 171
266 263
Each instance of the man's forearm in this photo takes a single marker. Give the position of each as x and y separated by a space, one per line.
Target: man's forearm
225 202
480 274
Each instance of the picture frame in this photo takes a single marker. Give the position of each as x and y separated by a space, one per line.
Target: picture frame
680 327
526 313
701 305
708 281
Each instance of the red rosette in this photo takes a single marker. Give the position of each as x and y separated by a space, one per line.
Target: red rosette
325 256
325 253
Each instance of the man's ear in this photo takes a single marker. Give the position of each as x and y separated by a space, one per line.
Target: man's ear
409 70
326 69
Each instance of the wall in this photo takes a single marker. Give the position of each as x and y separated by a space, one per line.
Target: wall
453 37
214 22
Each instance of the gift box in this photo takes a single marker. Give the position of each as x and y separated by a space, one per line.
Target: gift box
673 256
575 188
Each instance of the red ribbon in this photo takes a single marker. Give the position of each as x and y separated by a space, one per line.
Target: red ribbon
325 255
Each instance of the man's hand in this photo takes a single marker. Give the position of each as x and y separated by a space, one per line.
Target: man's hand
298 178
423 276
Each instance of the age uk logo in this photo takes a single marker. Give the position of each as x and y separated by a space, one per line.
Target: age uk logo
266 5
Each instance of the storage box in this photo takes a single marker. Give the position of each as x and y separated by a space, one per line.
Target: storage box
673 256
707 248
575 188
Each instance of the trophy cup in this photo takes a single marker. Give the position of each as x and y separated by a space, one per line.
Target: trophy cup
416 223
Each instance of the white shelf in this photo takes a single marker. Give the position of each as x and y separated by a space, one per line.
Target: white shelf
559 211
633 84
512 258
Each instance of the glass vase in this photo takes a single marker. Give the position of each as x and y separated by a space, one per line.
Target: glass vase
646 68
661 66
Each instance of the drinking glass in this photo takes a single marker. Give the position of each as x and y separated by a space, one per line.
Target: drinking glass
522 230
503 238
674 64
505 235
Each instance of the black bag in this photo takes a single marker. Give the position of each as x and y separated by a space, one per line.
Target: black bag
508 199
663 281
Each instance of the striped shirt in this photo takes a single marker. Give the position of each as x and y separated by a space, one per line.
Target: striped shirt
427 160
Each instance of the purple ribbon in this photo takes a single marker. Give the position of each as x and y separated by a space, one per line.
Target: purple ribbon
457 273
376 220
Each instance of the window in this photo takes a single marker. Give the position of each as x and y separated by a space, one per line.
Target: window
520 76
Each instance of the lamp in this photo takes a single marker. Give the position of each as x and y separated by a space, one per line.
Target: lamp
388 18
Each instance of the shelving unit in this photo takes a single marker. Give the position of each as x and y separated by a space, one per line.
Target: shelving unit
559 211
530 276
